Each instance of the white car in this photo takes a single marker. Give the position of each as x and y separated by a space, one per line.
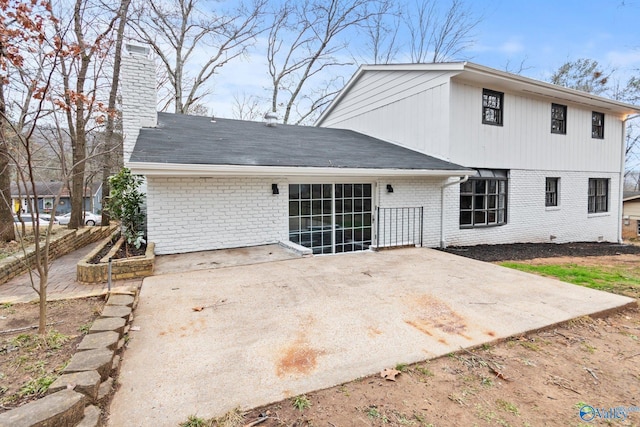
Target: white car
28 220
47 217
89 218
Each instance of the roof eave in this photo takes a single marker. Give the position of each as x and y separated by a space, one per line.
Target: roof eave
183 170
471 69
549 90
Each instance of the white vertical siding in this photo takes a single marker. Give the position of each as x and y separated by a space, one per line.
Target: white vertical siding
378 89
409 109
525 140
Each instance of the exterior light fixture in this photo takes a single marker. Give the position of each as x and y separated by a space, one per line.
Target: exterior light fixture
274 189
271 118
389 188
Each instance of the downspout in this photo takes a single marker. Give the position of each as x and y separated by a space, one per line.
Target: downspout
443 243
623 156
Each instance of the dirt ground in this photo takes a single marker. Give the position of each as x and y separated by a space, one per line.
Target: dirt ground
527 251
29 362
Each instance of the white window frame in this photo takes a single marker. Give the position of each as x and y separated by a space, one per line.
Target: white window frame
556 193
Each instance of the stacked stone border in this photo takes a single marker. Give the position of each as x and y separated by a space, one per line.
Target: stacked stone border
121 269
70 240
87 381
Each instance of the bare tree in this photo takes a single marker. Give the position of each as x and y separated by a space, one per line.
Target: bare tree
437 36
583 74
518 69
303 42
33 26
22 26
109 143
381 33
180 31
81 71
246 107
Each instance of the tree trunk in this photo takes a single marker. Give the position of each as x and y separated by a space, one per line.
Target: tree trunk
107 160
79 149
7 231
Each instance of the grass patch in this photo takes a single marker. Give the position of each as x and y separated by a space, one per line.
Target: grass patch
194 421
301 402
605 279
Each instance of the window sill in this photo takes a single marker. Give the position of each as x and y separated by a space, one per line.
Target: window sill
552 208
471 227
598 214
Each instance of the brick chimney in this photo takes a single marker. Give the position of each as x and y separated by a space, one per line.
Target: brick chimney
139 95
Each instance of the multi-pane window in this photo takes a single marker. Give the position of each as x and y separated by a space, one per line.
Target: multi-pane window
638 224
492 107
551 192
483 200
558 118
331 218
597 125
598 199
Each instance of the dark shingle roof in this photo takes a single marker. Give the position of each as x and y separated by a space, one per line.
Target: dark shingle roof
182 139
49 189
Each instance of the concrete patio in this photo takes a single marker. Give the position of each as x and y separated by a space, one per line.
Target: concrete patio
278 329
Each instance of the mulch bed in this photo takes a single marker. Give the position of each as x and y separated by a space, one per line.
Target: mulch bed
120 254
525 251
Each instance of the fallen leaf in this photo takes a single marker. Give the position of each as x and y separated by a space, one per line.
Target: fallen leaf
389 374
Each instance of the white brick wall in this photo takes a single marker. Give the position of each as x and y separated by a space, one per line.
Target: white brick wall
139 97
195 214
415 192
530 221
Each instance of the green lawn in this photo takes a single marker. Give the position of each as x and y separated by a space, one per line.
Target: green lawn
619 280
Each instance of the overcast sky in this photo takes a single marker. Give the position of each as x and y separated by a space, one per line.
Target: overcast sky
542 33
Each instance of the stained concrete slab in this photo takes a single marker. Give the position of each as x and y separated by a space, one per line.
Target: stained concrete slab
205 260
275 330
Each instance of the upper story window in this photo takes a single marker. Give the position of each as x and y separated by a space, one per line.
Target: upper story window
558 119
492 107
483 199
598 197
597 125
551 192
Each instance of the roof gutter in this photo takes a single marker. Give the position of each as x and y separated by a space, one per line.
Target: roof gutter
183 170
623 145
443 242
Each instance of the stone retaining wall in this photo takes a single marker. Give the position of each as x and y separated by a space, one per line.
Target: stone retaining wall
121 269
88 378
70 240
